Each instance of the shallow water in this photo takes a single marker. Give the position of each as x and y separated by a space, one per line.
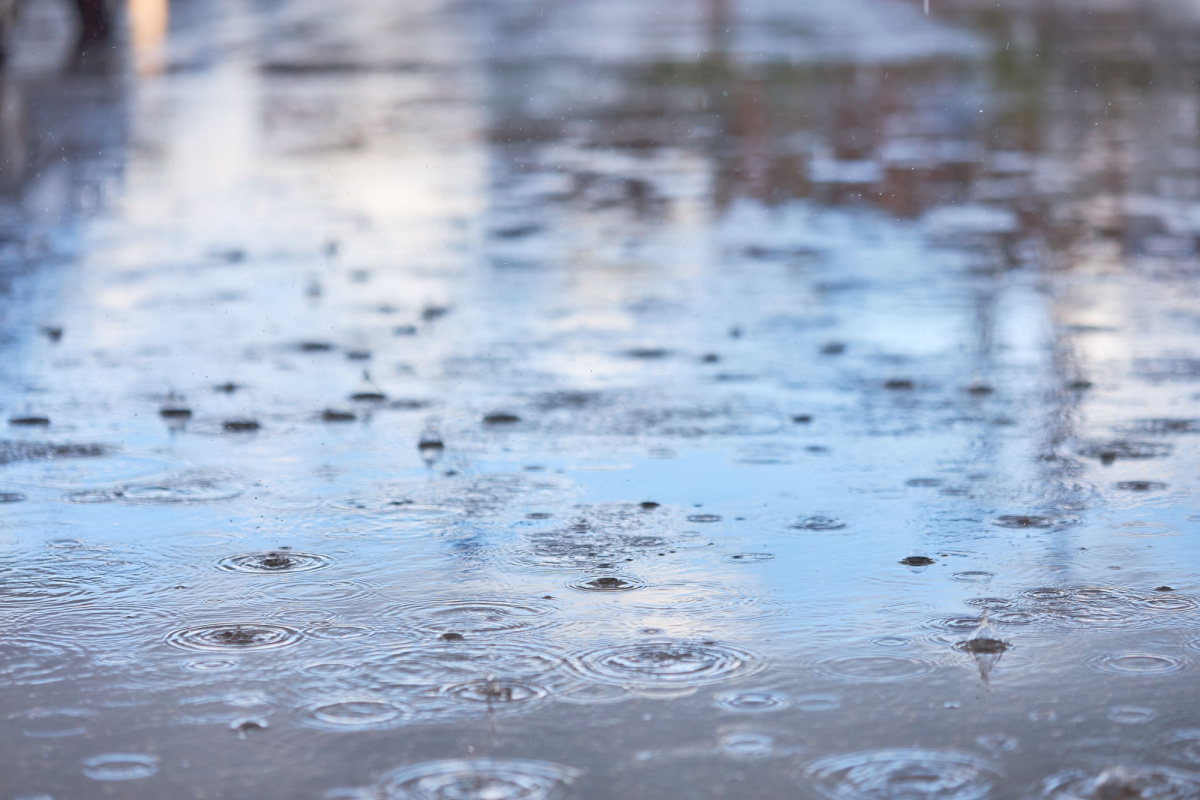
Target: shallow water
463 400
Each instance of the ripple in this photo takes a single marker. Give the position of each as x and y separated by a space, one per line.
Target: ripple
327 594
874 668
908 773
341 633
693 597
1146 529
441 663
354 714
234 636
606 583
1127 782
819 523
1183 745
328 669
1087 606
1023 521
889 641
749 558
211 664
1131 715
950 629
490 615
748 745
818 702
479 779
186 488
704 518
1141 486
35 588
496 692
43 723
25 661
1108 452
222 709
1167 602
274 561
120 766
973 576
1141 664
666 663
753 701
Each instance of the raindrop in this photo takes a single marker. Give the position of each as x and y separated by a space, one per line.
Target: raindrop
985 647
500 418
336 415
241 425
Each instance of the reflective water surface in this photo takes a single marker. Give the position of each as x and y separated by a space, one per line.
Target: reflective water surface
596 398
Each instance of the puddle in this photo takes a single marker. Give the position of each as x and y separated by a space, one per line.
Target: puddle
606 398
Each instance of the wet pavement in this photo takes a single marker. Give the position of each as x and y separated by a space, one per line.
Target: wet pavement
601 399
